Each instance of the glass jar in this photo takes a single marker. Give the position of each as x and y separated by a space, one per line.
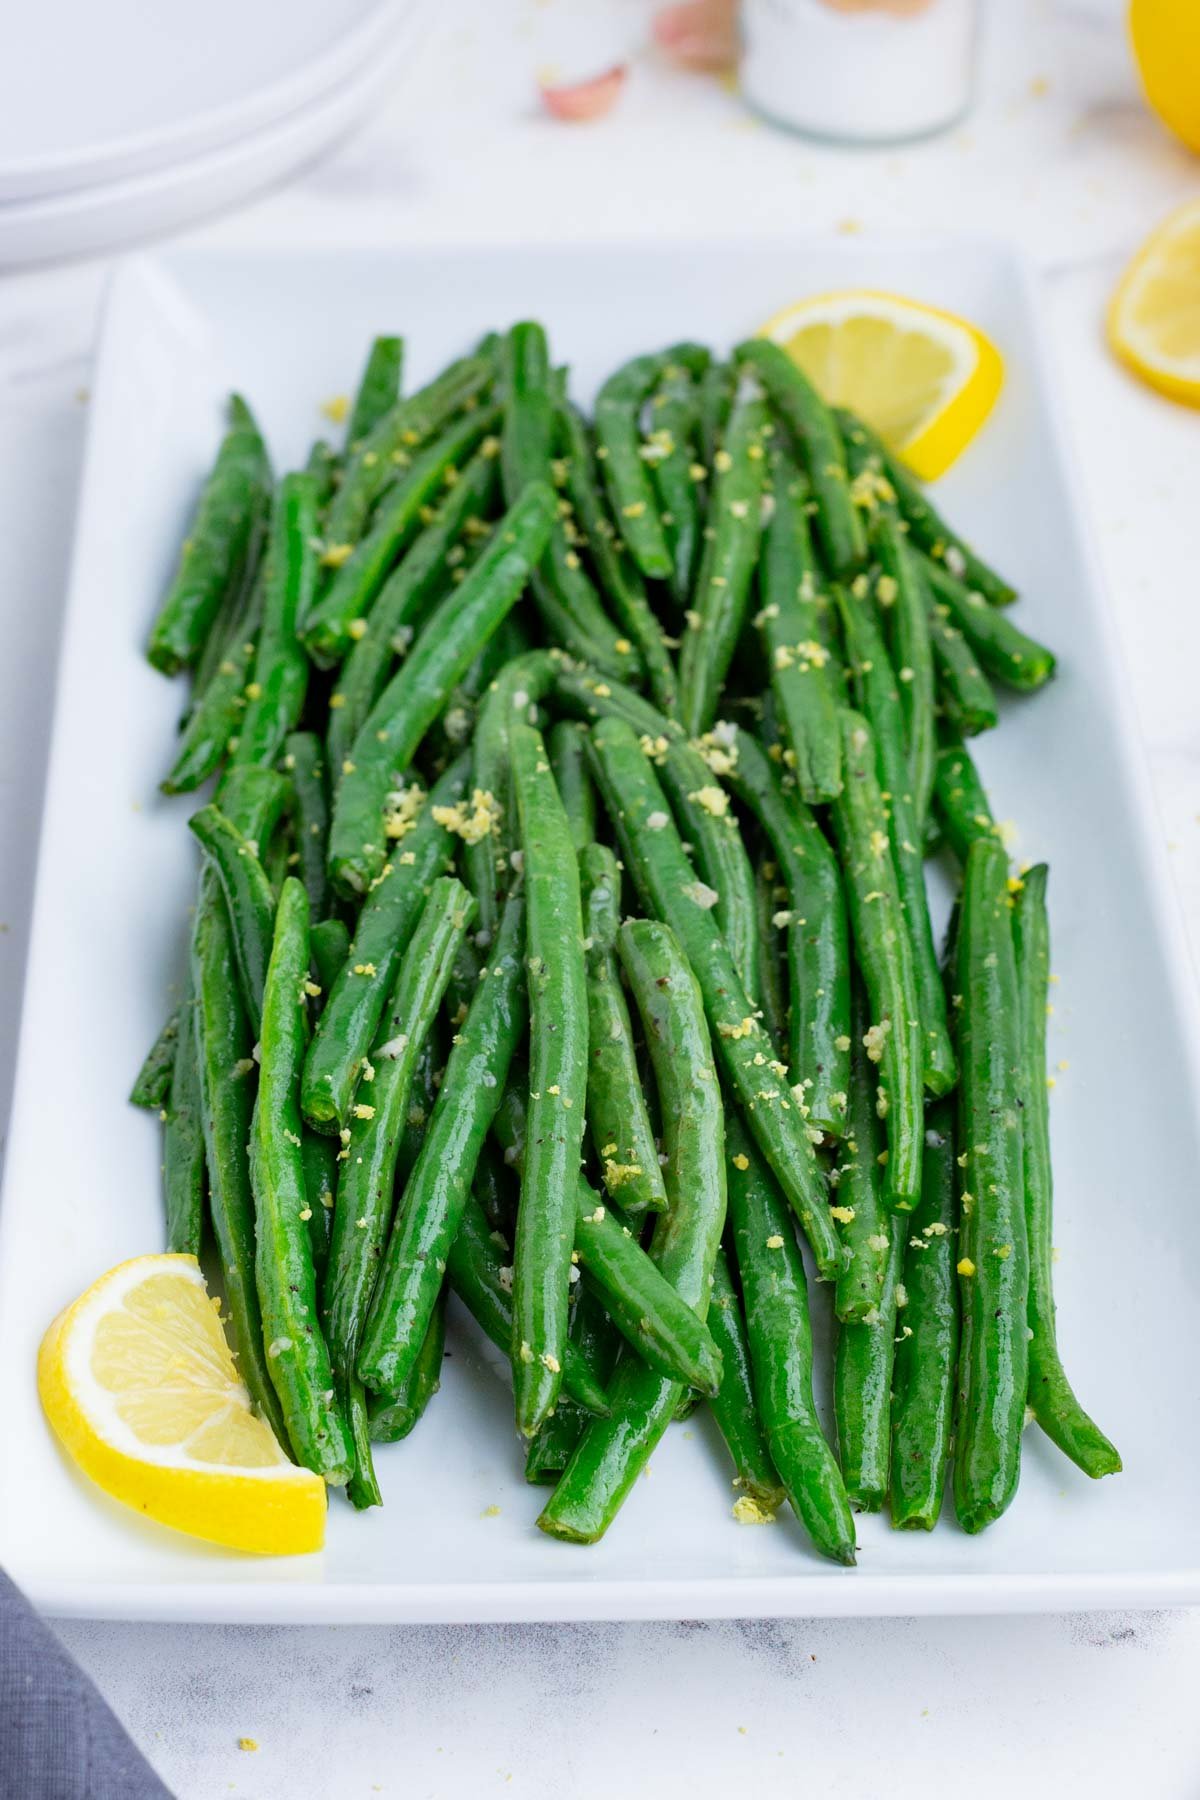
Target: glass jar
859 71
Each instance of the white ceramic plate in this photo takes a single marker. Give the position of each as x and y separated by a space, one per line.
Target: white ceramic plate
92 220
117 874
94 94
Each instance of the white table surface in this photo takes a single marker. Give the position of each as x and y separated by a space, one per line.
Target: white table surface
1060 156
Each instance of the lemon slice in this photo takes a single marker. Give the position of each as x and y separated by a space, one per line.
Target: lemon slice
138 1383
1154 319
924 379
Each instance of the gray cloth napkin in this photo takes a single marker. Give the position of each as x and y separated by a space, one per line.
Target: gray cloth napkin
58 1739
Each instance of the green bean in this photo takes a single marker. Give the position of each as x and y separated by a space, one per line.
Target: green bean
363 1203
618 429
727 567
320 1181
152 1089
297 1356
275 697
612 1453
378 390
618 575
926 1352
341 614
621 1133
993 1362
734 1406
495 1189
962 804
866 1231
675 415
414 1261
558 1082
512 696
324 465
212 722
426 1077
392 1417
884 955
966 698
183 1139
818 941
416 695
387 448
346 1027
569 605
223 1043
862 1389
330 943
1051 1395
790 625
477 1274
788 621
775 1296
839 524
714 400
769 897
687 774
667 883
902 590
926 526
406 598
879 702
249 897
598 1341
567 746
234 608
304 760
231 503
1018 661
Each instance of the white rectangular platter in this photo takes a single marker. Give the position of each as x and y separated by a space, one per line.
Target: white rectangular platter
117 874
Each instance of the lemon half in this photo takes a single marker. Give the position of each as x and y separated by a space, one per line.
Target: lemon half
1154 318
924 379
138 1382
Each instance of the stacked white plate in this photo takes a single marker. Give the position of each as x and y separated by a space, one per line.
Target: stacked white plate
135 117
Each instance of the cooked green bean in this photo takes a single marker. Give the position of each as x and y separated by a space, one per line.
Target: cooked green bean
297 1356
789 621
478 1275
275 697
902 590
152 1089
722 596
346 1027
421 578
733 1406
231 504
926 1352
884 955
839 523
213 720
818 939
334 622
304 760
618 428
655 857
414 1261
320 1181
1005 651
866 1230
619 577
1051 1395
183 1139
329 940
513 696
993 1361
862 1388
249 897
324 465
962 804
612 1453
392 1416
675 420
714 399
558 1082
775 1296
415 696
378 389
965 696
567 747
619 1124
598 1342
769 897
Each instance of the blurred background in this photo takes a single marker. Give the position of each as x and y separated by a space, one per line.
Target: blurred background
393 122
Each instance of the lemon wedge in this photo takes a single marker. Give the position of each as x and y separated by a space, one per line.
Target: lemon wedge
924 379
1154 318
138 1382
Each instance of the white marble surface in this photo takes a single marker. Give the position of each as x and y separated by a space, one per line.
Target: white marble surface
1058 155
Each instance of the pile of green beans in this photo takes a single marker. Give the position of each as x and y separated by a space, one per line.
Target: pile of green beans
563 944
